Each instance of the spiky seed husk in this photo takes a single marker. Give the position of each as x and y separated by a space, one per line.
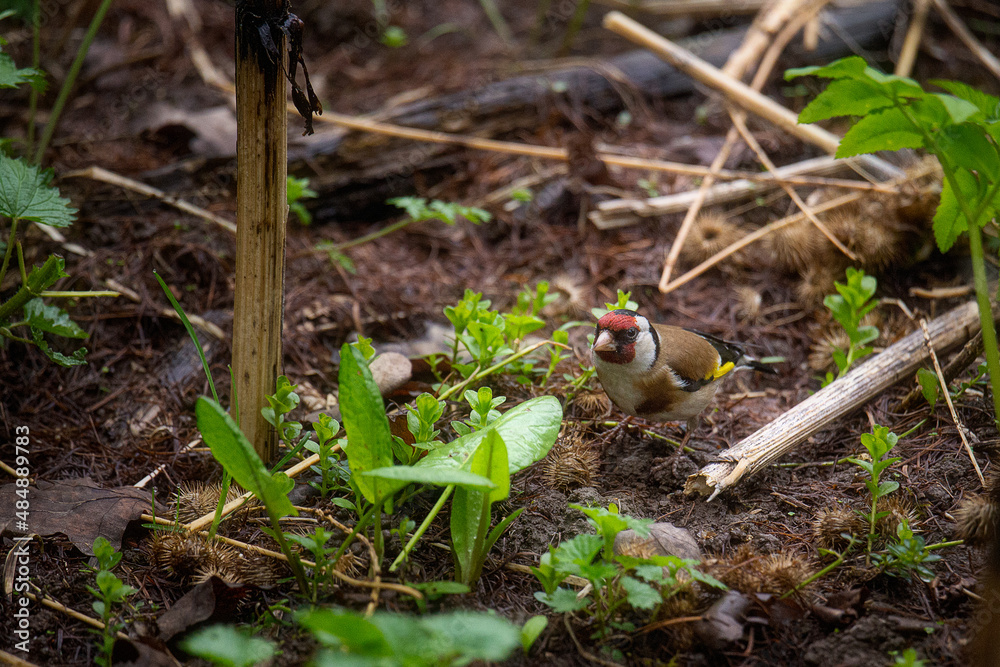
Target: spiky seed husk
831 523
196 499
572 462
977 518
872 232
737 570
191 557
711 233
781 572
899 508
796 247
592 404
748 303
821 352
816 281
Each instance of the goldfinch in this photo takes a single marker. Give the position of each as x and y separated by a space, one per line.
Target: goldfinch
660 372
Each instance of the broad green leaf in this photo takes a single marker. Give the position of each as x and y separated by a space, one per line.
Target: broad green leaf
52 319
225 645
528 430
436 476
846 97
885 488
531 629
852 66
929 386
465 636
356 634
640 595
490 461
25 194
77 358
235 453
881 130
369 441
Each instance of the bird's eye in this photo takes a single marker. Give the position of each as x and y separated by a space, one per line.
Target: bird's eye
631 333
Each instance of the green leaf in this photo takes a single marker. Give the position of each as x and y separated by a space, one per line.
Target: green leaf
12 77
436 476
528 430
958 110
235 453
639 594
25 194
501 528
369 441
949 221
52 319
881 130
846 97
77 359
356 634
988 105
225 645
490 461
887 487
852 66
531 629
562 600
929 386
968 146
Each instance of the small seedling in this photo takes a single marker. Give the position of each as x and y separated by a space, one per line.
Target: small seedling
297 190
878 443
227 646
849 307
909 555
110 593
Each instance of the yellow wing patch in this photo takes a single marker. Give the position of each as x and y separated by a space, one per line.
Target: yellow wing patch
721 370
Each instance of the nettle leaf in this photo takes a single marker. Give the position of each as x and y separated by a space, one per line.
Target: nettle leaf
881 130
12 77
949 221
77 358
563 600
967 145
846 97
640 595
232 449
25 194
52 319
988 105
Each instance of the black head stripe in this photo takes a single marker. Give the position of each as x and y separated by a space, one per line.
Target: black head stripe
656 345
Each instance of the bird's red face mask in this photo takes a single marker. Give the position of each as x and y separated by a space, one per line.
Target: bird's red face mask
616 335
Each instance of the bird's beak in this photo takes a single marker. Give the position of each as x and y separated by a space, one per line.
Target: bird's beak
604 343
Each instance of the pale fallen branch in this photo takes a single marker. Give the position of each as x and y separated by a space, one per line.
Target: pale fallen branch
837 399
622 212
111 178
761 32
737 91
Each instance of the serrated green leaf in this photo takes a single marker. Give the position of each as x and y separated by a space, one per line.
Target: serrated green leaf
846 97
235 453
563 600
949 221
958 110
52 319
968 146
640 595
77 359
881 130
12 77
25 194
